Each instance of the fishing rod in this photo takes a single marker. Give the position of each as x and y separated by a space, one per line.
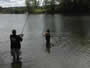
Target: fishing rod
21 33
25 23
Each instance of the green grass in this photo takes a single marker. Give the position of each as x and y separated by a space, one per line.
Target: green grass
39 10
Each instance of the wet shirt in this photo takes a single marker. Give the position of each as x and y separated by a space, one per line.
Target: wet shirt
15 41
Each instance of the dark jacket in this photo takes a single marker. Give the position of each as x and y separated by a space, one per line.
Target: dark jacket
15 41
47 37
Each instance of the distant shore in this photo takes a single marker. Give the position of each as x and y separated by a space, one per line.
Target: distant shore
23 10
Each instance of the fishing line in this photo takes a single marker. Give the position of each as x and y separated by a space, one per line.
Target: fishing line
25 23
16 27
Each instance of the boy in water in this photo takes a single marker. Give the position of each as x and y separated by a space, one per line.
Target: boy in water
47 37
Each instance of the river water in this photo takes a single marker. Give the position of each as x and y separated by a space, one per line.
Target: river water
70 32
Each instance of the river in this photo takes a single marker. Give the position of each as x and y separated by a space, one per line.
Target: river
71 34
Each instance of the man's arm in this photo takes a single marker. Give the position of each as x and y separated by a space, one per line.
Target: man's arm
20 38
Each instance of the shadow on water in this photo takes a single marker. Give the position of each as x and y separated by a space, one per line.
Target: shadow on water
49 22
16 62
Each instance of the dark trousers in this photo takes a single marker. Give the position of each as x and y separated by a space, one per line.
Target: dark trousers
15 52
48 46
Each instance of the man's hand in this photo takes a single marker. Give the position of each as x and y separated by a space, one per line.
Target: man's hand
21 35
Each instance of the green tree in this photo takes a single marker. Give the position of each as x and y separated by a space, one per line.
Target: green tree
29 5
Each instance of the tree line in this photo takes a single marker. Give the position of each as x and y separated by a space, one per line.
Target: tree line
50 6
57 6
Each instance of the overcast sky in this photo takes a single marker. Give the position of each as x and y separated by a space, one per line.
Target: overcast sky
12 3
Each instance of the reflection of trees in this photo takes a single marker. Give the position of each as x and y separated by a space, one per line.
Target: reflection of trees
75 26
49 21
16 65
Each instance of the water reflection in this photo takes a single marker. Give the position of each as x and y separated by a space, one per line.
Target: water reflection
74 25
66 28
16 61
16 64
49 22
